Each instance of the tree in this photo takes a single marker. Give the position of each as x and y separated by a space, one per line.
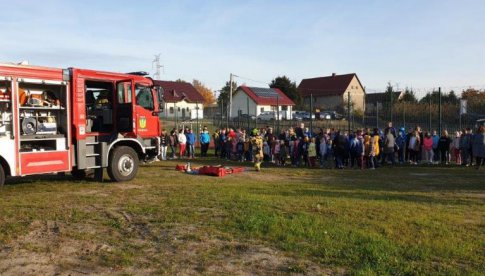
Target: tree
409 96
209 97
224 93
390 93
451 98
473 94
448 98
181 80
288 87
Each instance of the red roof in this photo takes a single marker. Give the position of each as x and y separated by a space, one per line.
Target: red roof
174 91
334 85
267 96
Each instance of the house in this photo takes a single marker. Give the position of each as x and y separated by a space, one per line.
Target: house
373 100
182 100
331 92
254 100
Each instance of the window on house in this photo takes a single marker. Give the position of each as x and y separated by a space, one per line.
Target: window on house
171 110
262 109
284 107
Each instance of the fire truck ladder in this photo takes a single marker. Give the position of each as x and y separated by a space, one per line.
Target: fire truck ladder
95 153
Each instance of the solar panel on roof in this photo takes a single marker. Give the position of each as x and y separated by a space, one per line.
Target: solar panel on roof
265 92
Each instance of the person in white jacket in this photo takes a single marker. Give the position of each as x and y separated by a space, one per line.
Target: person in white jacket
182 143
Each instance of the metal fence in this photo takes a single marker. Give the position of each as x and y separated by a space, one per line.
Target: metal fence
433 110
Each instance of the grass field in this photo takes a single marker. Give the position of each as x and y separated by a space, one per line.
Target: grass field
399 220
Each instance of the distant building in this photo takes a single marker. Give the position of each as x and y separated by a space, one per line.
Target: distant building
254 100
331 92
182 100
381 99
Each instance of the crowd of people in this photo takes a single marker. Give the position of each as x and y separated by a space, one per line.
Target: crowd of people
327 148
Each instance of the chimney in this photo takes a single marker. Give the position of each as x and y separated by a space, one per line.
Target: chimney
334 74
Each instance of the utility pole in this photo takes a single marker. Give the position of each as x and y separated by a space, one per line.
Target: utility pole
156 65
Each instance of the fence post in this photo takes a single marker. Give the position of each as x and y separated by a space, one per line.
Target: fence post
404 113
311 113
439 110
377 114
429 108
348 110
222 112
247 103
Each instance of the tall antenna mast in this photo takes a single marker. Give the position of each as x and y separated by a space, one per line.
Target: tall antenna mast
156 65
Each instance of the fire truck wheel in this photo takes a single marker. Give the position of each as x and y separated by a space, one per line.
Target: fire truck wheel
123 164
2 176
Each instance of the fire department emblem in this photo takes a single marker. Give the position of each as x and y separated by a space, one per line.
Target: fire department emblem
143 122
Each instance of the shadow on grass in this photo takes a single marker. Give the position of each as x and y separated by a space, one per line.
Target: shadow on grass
53 179
371 196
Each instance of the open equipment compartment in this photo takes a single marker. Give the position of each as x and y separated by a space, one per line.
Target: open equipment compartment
43 117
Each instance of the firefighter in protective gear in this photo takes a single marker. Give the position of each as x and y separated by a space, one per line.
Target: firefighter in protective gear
257 142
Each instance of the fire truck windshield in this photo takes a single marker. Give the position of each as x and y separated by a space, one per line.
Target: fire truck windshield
144 97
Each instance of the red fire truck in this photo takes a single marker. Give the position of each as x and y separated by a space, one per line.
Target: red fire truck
76 120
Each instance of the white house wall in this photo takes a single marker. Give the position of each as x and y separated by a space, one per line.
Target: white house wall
240 102
181 108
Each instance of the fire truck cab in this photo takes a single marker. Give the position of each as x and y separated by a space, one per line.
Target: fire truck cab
74 120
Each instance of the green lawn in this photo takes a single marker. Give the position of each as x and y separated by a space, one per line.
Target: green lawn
403 220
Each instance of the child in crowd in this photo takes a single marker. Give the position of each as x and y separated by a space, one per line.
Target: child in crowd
266 152
164 141
414 147
304 150
444 145
312 153
276 151
401 144
240 149
283 153
428 148
369 151
323 150
455 147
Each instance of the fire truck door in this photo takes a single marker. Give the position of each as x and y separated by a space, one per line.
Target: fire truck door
124 112
147 122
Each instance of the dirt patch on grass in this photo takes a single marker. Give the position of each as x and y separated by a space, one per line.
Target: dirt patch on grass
50 249
91 193
46 250
196 252
124 186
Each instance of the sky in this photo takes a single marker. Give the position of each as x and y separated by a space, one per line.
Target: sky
414 43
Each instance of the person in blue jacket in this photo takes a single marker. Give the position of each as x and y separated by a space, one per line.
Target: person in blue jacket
205 140
436 152
190 143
